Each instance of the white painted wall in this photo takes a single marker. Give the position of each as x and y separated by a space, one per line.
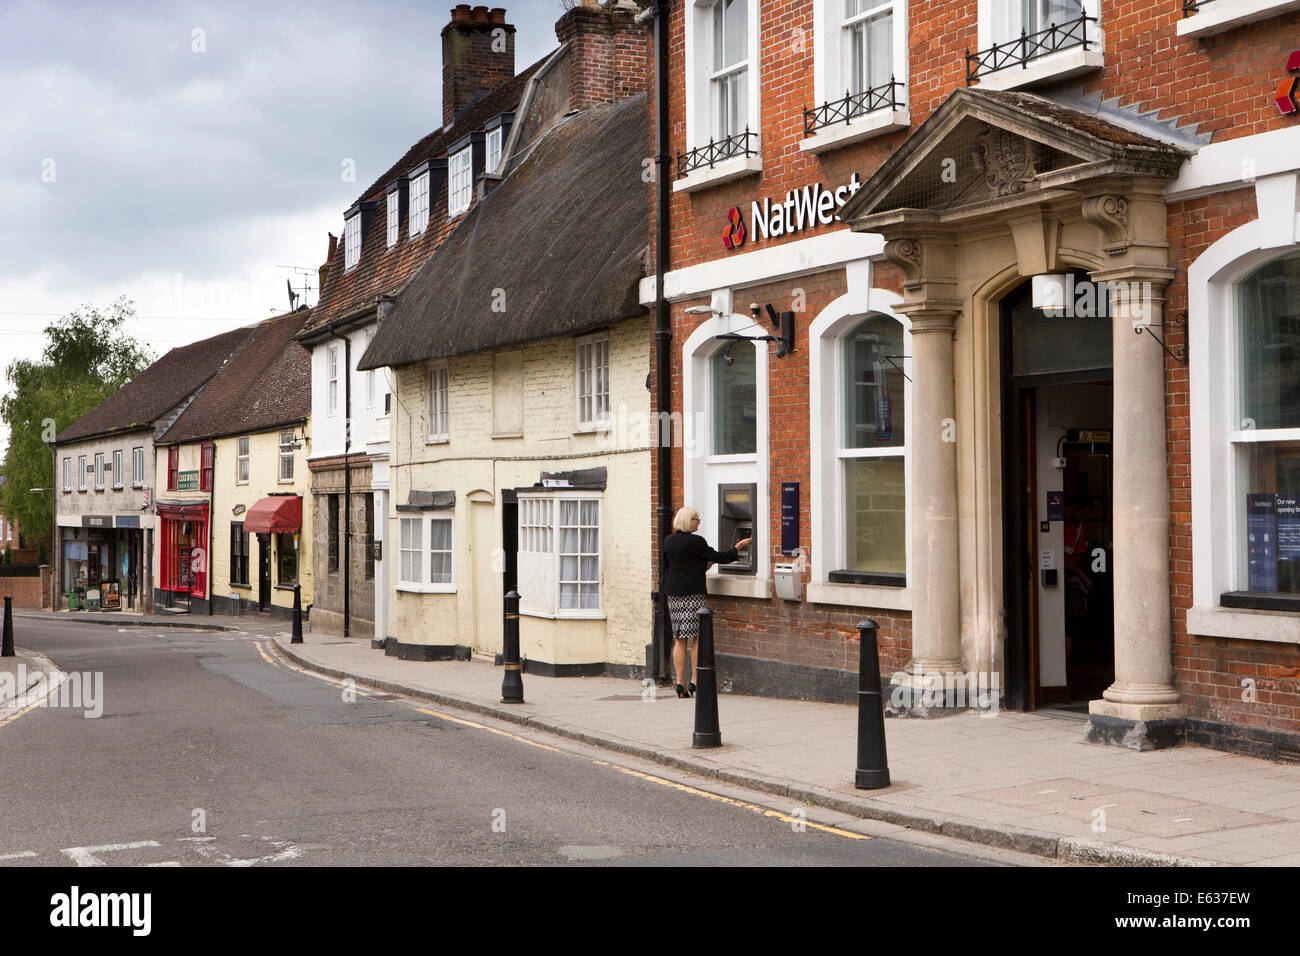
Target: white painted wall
328 428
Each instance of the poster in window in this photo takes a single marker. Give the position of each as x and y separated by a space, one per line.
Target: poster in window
1261 542
111 599
1288 527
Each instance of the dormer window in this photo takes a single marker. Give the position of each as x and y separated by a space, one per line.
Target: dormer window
393 212
460 181
493 149
419 203
352 241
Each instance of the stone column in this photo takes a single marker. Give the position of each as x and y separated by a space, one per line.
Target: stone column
933 576
1143 688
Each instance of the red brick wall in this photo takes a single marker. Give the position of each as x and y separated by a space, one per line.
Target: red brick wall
611 54
469 64
1223 83
26 591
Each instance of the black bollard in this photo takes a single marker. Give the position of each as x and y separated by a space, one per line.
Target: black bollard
873 765
8 646
297 615
707 732
512 684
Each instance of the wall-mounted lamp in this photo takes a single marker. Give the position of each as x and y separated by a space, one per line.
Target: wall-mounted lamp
1048 292
782 324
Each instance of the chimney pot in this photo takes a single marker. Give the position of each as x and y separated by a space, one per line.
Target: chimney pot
498 14
460 12
479 15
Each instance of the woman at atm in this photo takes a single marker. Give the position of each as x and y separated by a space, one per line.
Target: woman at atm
686 557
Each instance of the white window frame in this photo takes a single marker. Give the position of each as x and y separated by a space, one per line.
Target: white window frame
117 468
242 459
1212 404
1223 15
332 379
418 204
67 475
99 471
421 583
285 457
437 406
137 467
591 381
352 241
493 144
460 181
539 559
703 471
392 213
1058 65
81 467
699 96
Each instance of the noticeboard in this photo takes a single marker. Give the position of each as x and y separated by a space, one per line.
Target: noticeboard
111 599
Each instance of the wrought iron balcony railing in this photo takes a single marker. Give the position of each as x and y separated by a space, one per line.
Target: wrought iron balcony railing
1029 46
1191 6
715 151
851 105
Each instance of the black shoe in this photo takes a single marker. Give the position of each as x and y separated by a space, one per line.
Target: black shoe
681 691
692 688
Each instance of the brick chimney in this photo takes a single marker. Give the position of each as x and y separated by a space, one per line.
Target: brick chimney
478 55
610 52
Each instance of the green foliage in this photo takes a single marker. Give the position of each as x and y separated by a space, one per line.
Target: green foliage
87 358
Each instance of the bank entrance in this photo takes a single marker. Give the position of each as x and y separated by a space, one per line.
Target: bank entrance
1057 408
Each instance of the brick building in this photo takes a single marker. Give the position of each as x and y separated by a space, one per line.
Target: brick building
1042 416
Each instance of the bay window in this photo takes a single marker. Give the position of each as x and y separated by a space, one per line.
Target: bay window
559 554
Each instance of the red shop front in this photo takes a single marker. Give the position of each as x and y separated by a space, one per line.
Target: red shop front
184 555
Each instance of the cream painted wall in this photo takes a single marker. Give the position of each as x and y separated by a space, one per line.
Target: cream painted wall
263 480
474 464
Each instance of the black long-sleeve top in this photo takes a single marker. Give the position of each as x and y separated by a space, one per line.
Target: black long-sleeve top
687 557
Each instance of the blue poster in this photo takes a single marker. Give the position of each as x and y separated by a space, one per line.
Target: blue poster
1288 527
1261 542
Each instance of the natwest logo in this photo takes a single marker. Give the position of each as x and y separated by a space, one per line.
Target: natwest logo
734 236
1285 98
805 208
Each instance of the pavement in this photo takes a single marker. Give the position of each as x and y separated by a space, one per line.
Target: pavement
1026 782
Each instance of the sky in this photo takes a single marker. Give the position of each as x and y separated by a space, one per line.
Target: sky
181 153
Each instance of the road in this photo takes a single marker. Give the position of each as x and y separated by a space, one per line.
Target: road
213 751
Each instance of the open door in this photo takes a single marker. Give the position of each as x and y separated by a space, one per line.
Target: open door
264 572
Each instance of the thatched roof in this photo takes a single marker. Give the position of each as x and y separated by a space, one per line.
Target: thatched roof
557 249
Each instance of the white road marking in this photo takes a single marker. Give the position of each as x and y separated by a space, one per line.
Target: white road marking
86 855
17 856
290 852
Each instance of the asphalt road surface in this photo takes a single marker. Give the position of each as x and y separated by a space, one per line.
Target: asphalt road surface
212 751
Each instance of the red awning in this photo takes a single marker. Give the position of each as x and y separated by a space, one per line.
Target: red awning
275 515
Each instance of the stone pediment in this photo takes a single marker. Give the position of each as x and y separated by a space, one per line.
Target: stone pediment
986 147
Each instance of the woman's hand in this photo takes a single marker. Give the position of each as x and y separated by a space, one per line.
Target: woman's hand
743 543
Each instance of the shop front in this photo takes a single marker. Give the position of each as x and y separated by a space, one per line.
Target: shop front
183 553
102 563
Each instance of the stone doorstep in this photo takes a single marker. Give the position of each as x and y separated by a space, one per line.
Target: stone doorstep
1049 845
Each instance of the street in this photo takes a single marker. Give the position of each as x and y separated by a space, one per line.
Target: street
210 751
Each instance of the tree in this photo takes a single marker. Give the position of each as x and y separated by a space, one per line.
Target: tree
87 358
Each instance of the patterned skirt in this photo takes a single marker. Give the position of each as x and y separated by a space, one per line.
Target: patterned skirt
684 613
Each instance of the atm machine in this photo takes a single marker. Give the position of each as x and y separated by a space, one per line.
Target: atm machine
735 523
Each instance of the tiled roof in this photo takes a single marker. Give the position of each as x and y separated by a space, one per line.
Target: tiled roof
384 271
563 238
159 388
265 384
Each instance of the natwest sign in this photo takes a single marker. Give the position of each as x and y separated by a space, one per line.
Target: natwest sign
801 209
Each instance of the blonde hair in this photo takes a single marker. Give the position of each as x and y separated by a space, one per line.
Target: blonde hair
682 520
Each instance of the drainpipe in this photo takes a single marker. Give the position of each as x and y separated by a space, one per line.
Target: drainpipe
663 319
212 520
347 480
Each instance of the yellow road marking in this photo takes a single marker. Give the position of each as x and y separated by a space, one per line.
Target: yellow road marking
40 700
265 656
662 781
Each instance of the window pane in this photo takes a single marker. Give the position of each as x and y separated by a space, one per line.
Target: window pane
568 596
591 596
589 540
440 536
734 34
590 512
735 405
590 569
874 401
1268 335
1269 516
440 567
569 569
875 516
880 31
568 512
568 541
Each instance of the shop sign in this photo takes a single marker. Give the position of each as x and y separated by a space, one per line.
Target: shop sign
187 481
127 521
1284 98
806 208
97 521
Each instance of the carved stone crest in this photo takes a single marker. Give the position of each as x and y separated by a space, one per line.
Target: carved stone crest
1006 162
